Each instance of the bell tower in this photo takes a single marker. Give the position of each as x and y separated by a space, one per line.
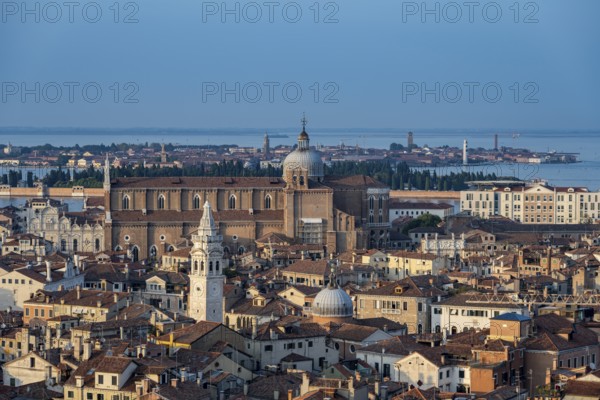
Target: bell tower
206 279
106 186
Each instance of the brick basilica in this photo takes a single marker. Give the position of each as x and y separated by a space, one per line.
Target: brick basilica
151 216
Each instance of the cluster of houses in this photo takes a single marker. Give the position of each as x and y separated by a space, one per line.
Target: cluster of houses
471 309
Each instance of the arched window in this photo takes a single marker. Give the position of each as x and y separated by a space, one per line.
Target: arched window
196 202
232 202
371 218
380 202
161 202
153 251
371 202
75 245
202 266
135 253
217 266
210 266
97 244
268 202
301 180
63 245
195 266
125 205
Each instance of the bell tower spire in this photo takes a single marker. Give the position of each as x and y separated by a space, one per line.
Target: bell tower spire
206 278
106 185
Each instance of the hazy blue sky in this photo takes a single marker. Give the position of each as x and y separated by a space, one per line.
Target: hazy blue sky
371 61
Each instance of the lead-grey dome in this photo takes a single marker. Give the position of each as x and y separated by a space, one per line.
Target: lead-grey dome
332 302
305 158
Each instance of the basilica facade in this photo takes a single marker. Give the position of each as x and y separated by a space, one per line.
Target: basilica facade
151 216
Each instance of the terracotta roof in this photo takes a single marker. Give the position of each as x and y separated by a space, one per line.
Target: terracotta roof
352 332
475 299
406 287
398 345
263 388
190 334
183 391
277 307
198 182
311 267
556 333
110 364
583 389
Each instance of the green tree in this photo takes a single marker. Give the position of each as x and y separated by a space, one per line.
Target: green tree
425 220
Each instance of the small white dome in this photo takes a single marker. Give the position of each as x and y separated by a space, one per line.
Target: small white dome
332 302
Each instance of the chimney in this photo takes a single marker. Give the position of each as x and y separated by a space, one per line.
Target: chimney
377 388
48 333
122 333
79 381
78 288
87 349
116 298
290 395
146 385
77 347
254 328
275 394
245 389
48 271
174 382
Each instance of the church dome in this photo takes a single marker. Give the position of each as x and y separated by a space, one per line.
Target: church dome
332 302
305 158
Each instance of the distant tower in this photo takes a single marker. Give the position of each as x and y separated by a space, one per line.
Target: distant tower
266 147
409 141
206 279
496 141
465 158
163 154
107 189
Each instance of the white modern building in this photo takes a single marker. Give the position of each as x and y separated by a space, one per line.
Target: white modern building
469 311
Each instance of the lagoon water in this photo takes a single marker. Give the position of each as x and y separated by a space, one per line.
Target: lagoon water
587 143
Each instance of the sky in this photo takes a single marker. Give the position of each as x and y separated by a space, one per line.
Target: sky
352 64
